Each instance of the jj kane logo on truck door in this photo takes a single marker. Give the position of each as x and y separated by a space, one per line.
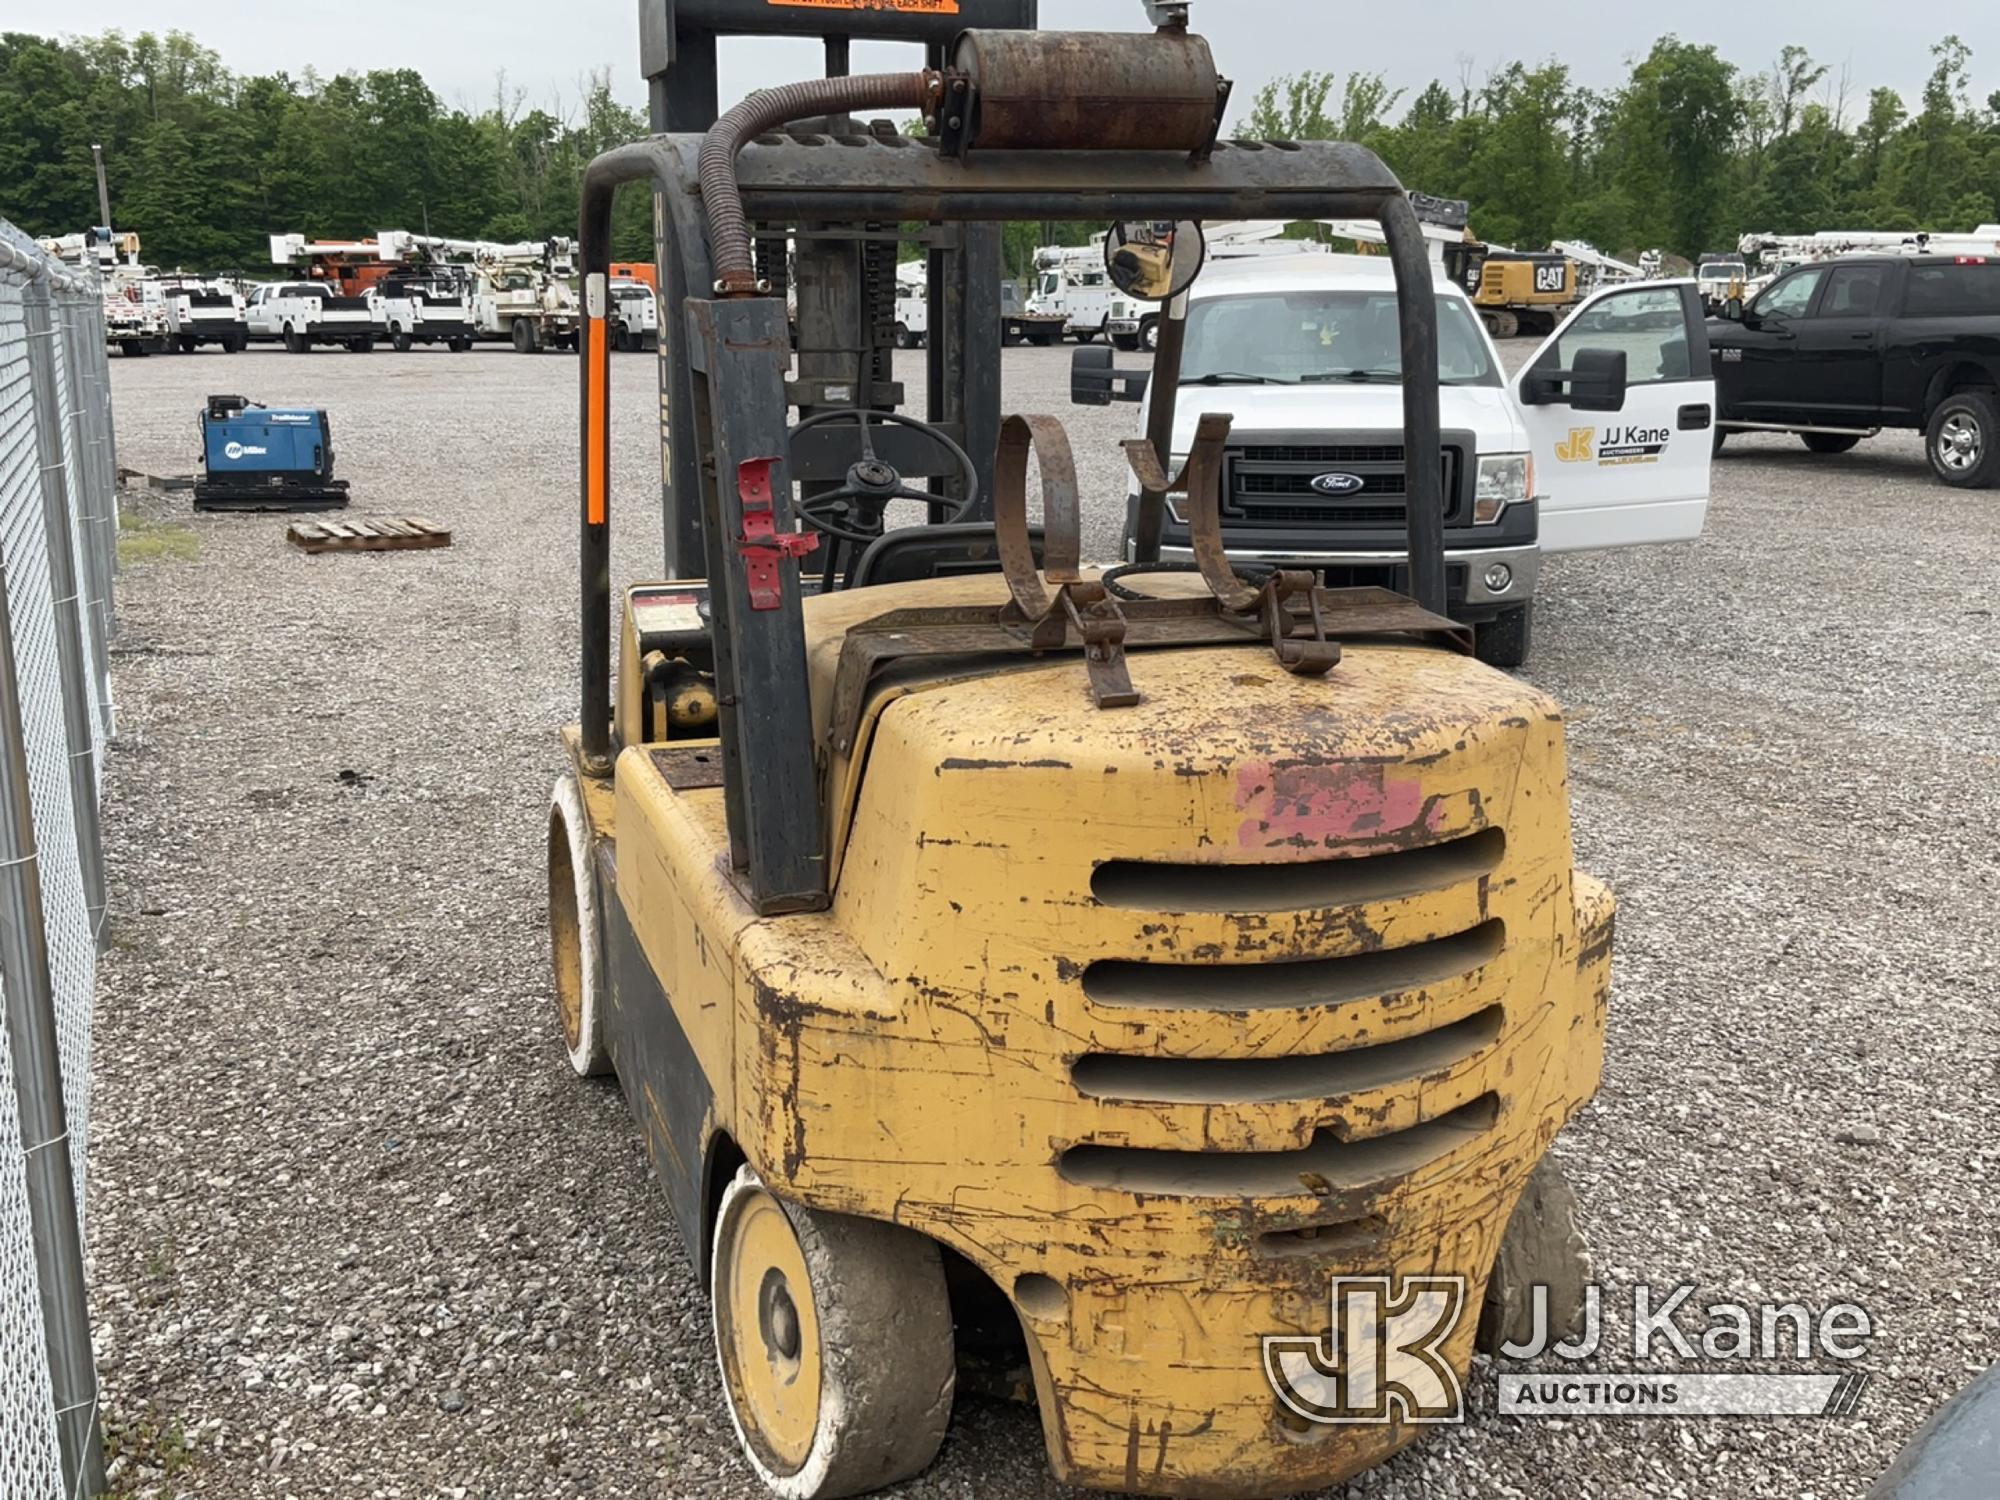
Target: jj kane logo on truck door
1615 445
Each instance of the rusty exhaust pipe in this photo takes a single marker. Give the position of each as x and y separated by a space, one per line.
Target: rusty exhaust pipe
728 226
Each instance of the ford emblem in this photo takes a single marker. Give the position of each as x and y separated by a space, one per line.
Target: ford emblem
1338 484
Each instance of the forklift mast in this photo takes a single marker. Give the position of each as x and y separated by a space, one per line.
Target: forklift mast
846 272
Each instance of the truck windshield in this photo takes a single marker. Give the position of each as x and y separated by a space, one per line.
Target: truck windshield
1302 338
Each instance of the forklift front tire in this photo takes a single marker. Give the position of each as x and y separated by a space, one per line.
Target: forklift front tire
834 1337
576 940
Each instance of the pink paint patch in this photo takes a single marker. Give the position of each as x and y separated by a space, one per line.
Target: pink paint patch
1325 805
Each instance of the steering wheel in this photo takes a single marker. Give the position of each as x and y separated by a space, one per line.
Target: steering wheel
853 513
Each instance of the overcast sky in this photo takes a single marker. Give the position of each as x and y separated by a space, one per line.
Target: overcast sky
546 48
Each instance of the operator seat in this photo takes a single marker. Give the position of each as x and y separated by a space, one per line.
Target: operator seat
933 552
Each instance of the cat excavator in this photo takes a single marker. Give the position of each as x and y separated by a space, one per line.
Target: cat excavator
1012 965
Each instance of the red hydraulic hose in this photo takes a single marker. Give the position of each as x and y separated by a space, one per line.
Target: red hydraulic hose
728 227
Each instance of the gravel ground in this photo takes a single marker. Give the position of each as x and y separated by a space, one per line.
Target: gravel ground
357 1232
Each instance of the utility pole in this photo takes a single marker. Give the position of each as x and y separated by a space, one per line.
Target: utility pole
103 192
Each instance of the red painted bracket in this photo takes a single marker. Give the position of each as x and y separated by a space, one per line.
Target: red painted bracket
762 544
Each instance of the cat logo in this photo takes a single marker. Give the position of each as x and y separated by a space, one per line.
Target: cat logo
1575 449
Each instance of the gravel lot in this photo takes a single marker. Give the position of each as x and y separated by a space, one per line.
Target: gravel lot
356 1231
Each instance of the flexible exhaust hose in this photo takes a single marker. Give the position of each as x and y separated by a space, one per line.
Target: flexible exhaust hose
728 226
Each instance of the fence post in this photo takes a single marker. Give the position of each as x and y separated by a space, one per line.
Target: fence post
60 493
38 1083
97 518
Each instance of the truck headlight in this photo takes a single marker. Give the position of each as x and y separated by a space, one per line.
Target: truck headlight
1504 479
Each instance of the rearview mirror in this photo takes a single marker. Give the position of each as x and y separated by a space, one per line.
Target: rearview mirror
1596 382
1095 379
1154 260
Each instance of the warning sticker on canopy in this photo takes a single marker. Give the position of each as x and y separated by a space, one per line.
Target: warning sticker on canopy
911 7
665 614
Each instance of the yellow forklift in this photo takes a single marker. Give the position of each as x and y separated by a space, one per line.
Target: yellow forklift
1011 965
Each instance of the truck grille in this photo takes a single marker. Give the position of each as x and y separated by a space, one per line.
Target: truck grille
1273 485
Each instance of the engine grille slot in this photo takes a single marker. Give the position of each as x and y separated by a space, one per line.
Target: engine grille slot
1327 1165
1292 983
1341 1237
1264 1080
1145 885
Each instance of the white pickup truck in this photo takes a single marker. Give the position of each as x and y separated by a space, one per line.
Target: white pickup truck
634 315
203 312
304 313
426 305
1304 352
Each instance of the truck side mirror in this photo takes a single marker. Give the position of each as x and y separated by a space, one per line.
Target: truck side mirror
1595 383
1095 379
1733 309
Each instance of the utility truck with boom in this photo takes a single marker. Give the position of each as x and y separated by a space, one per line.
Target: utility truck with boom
135 312
524 293
1010 968
333 302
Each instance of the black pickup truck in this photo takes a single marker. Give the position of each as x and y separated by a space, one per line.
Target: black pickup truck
1840 350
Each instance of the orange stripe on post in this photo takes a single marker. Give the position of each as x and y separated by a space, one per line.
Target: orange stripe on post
599 458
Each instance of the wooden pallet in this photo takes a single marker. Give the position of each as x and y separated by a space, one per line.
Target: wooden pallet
375 534
163 484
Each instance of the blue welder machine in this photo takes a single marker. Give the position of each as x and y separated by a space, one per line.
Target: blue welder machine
266 458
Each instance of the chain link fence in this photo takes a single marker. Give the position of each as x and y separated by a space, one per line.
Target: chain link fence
58 555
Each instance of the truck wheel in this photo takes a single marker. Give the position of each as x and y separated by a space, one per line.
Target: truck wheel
189 343
459 345
576 939
295 342
1125 342
1963 440
524 336
402 342
903 338
236 343
834 1337
1149 334
1721 436
1504 640
1829 442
